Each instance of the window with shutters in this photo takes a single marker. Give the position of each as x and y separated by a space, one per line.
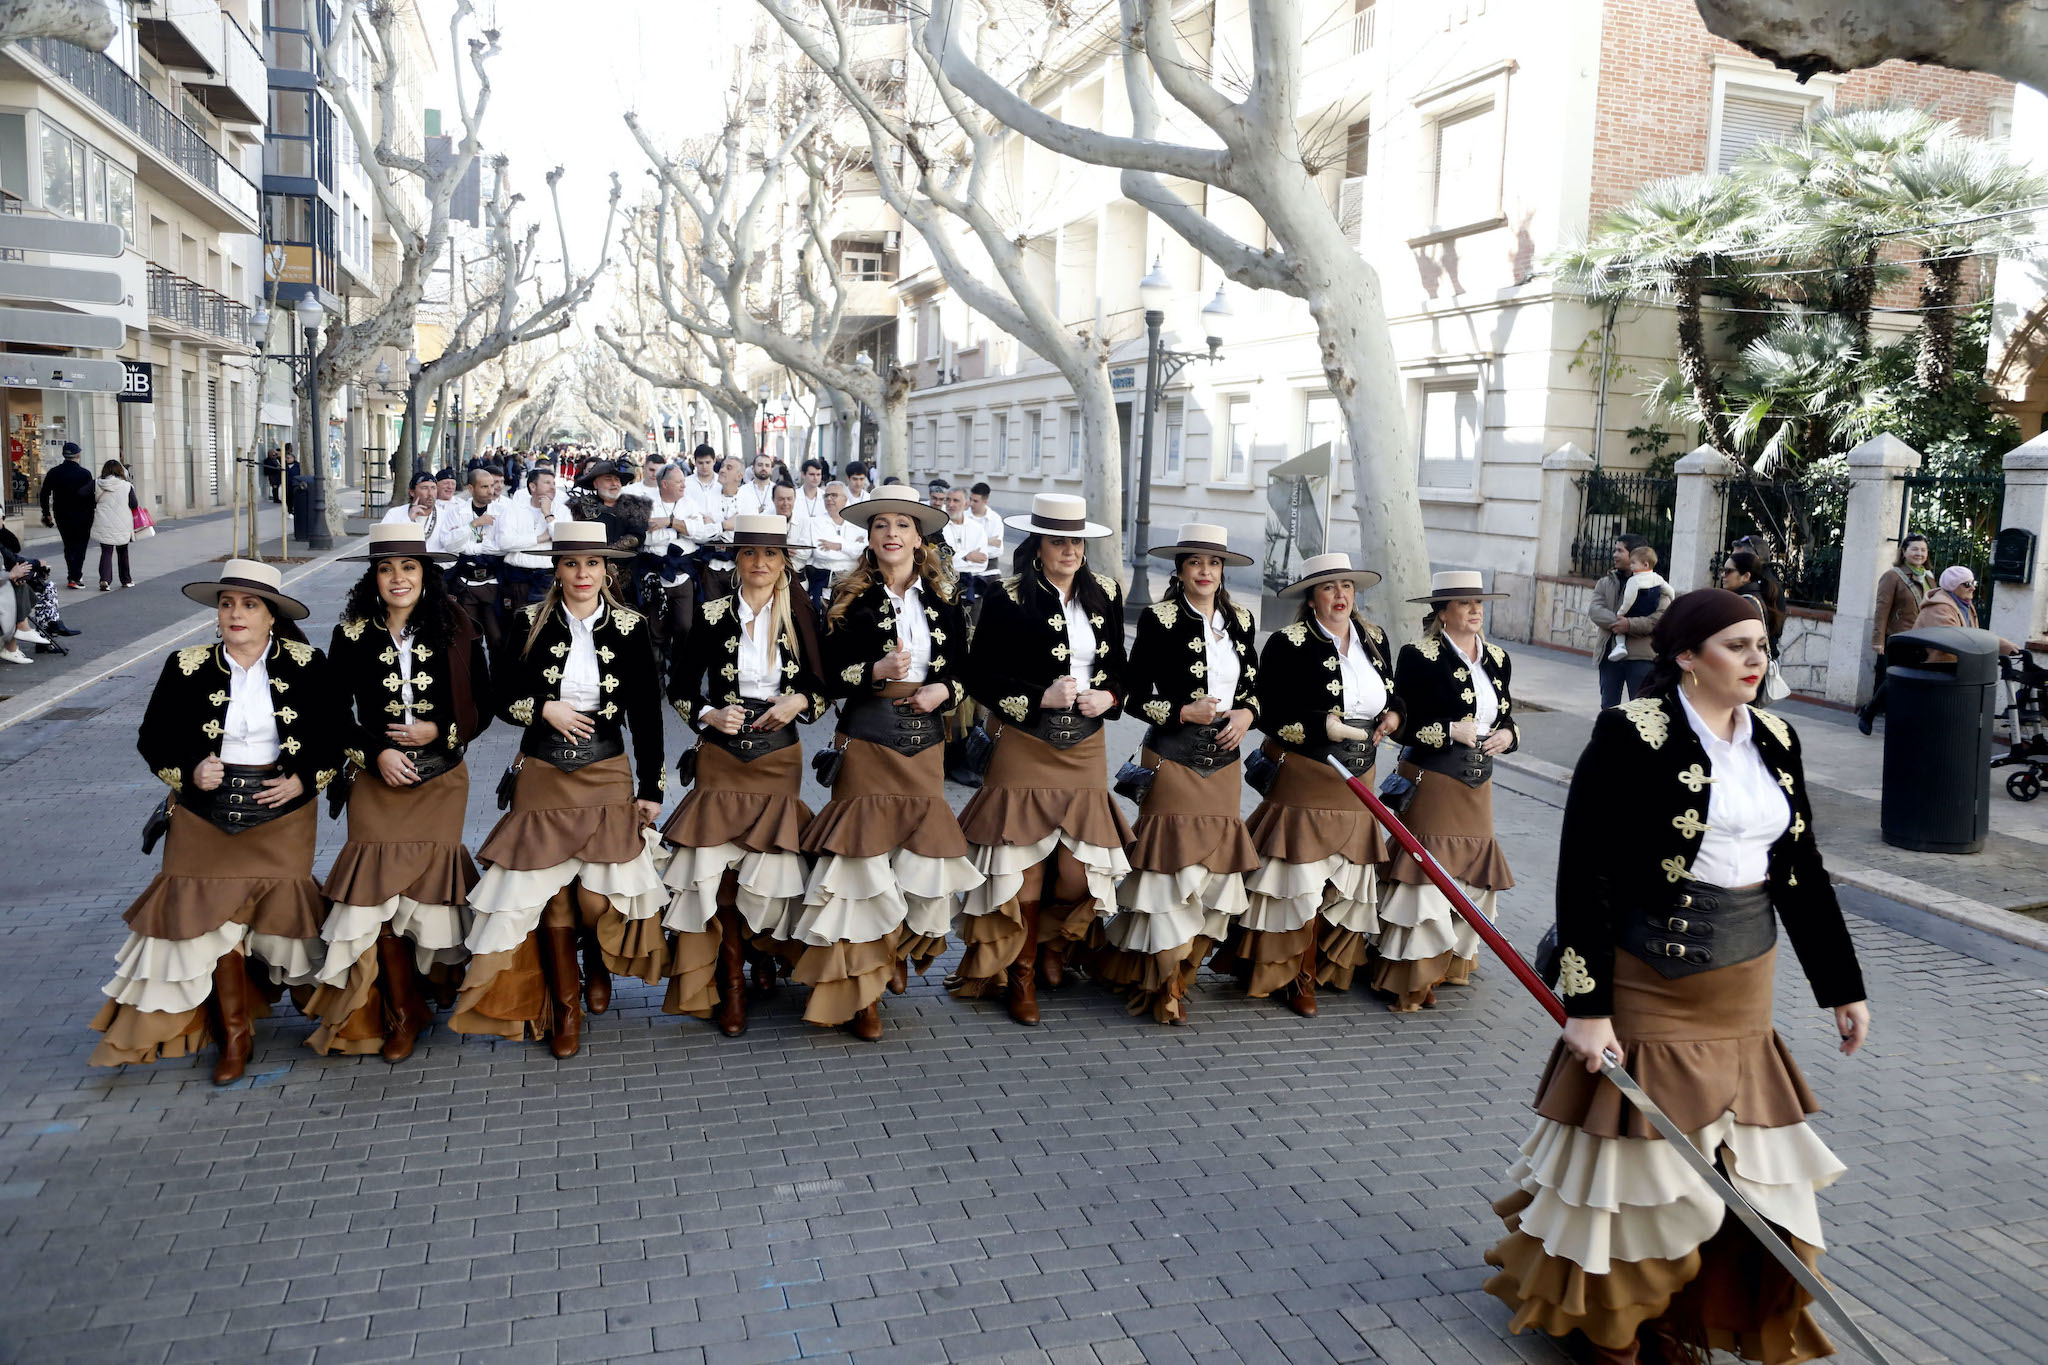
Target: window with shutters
1748 117
1447 433
1466 187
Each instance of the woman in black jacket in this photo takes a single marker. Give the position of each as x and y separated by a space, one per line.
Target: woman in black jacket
411 673
571 864
890 854
1687 836
1324 693
1459 718
1193 675
744 680
1048 662
246 734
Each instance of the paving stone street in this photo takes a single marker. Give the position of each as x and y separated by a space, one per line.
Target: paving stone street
1253 1187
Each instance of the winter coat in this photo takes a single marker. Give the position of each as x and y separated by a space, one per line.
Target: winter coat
67 492
113 512
1898 604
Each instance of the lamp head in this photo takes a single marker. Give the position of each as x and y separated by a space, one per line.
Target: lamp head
412 363
1155 291
1217 320
383 372
261 318
310 314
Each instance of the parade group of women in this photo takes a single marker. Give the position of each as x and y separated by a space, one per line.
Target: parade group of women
1687 830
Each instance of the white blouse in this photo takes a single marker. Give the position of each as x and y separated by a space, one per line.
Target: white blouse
579 670
405 694
1081 641
850 538
1224 668
1365 691
250 739
913 632
760 659
1485 700
1747 810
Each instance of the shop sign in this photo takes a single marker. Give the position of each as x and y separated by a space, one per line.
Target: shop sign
138 382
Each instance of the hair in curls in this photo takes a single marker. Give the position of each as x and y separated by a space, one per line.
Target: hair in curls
433 615
1024 564
927 564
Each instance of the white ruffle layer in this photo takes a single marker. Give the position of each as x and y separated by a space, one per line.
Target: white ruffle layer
508 904
170 976
436 932
1417 922
860 900
770 896
1284 896
1161 911
1003 866
1600 1200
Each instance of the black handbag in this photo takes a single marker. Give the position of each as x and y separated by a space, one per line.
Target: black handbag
156 825
1134 781
686 766
1397 793
1548 959
826 764
1261 771
338 790
509 783
977 749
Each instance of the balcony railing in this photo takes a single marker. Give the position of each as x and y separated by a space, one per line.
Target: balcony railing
11 203
100 80
192 305
1362 29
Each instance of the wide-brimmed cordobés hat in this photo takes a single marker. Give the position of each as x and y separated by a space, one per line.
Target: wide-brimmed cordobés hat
1201 538
1458 585
582 538
764 530
589 477
398 540
1057 514
250 576
896 498
1334 567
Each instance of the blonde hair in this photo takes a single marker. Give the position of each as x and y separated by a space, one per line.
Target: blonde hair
930 569
781 620
1646 553
553 599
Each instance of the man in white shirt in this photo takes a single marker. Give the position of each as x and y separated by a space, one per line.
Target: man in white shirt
810 495
991 523
667 591
420 508
969 546
800 541
469 531
758 497
648 485
525 531
856 482
445 486
725 508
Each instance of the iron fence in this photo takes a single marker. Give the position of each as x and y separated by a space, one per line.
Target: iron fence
1614 504
1796 527
1959 514
193 305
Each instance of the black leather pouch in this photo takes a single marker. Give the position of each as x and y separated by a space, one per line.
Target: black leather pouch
826 764
1260 771
1134 781
686 767
338 790
509 783
977 748
1398 793
156 825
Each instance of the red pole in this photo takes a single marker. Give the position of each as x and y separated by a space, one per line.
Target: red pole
1460 902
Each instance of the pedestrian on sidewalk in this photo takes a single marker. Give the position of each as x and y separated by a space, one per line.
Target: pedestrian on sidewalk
243 732
113 523
16 629
414 689
1455 683
68 496
1954 604
1626 673
1899 594
36 600
273 472
1745 574
1687 835
570 866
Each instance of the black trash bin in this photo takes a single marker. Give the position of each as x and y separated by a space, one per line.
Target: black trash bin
1937 739
299 497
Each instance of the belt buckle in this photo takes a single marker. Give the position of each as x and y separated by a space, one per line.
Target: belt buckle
1677 926
1685 900
1676 950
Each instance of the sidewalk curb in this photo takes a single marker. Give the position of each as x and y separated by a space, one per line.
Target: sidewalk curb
34 701
1979 915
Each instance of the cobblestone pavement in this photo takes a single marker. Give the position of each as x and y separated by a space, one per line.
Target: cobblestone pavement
1100 1189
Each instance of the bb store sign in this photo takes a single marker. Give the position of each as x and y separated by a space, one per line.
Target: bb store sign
138 382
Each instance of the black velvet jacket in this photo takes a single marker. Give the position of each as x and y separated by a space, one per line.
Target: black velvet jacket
1632 826
1436 688
187 714
1169 661
451 686
1301 685
629 683
1020 647
865 634
706 670
624 521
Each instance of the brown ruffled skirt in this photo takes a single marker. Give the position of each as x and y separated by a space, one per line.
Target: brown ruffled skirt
1423 942
250 893
1043 830
1594 1181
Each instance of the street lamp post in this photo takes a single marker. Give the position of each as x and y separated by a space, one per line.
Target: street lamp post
310 318
1155 292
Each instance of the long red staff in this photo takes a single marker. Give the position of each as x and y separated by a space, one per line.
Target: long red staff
1611 1067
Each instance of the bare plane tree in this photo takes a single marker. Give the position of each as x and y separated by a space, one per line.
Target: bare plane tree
89 24
2007 38
1259 157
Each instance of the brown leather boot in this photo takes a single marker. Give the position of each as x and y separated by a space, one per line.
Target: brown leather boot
1022 992
1052 957
597 978
867 1025
732 972
403 1005
231 992
899 976
1302 997
565 988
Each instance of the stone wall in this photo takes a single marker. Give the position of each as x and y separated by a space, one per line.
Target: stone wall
1560 619
1803 650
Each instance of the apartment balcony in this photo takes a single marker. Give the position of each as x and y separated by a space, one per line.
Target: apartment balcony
181 162
178 305
240 91
870 301
184 35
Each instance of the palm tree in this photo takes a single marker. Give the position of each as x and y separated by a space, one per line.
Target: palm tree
1784 395
1668 242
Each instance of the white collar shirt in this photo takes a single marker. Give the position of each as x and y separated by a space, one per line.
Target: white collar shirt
459 537
757 498
848 539
991 523
250 739
1219 653
401 641
853 497
800 543
760 657
810 506
1365 691
1746 808
636 489
1485 700
522 529
405 512
580 677
659 538
913 632
1081 641
966 538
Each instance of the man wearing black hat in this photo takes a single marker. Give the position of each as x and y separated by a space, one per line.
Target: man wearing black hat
67 496
420 509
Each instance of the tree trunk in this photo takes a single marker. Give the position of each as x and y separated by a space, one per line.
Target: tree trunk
1862 290
892 433
1692 354
1936 364
1102 463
